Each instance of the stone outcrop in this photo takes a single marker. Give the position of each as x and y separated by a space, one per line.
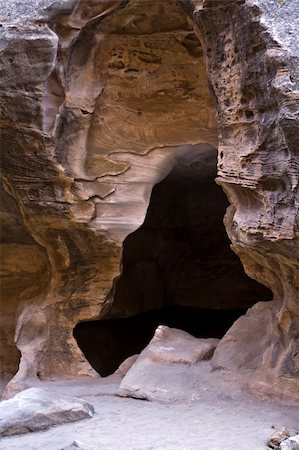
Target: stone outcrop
255 79
277 437
166 369
38 409
98 102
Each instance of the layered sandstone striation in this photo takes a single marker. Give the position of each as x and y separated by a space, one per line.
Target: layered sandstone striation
99 101
255 79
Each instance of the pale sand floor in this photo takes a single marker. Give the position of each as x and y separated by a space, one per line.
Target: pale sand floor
215 422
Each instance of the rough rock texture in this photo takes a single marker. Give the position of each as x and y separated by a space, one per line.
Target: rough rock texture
163 370
100 101
38 409
97 101
253 65
277 437
290 444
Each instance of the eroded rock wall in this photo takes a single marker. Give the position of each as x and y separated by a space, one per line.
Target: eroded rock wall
252 57
97 99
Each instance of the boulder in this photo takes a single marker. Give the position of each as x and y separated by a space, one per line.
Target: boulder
99 102
277 437
166 369
37 409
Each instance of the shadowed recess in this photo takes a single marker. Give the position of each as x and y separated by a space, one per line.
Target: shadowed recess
178 269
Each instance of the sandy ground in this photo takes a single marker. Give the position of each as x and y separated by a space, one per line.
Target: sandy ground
215 422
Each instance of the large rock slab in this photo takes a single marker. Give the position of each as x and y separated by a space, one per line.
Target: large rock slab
38 409
232 352
166 369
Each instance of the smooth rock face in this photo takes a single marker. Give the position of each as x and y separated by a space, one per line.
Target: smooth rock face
233 353
162 371
257 90
88 127
38 409
126 365
171 346
99 98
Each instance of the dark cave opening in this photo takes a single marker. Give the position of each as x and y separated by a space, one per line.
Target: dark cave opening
107 343
178 270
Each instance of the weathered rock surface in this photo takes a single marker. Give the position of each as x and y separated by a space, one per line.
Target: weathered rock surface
162 371
181 254
290 444
233 353
277 437
98 99
257 91
126 365
81 178
38 409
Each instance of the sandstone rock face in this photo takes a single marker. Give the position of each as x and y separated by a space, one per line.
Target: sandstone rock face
81 178
257 90
234 352
126 365
98 102
38 409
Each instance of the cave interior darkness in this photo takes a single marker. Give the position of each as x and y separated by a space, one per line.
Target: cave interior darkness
178 269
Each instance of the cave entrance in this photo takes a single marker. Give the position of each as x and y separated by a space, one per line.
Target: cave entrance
178 269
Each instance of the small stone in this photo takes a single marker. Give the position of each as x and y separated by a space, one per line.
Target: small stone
290 444
278 437
78 445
